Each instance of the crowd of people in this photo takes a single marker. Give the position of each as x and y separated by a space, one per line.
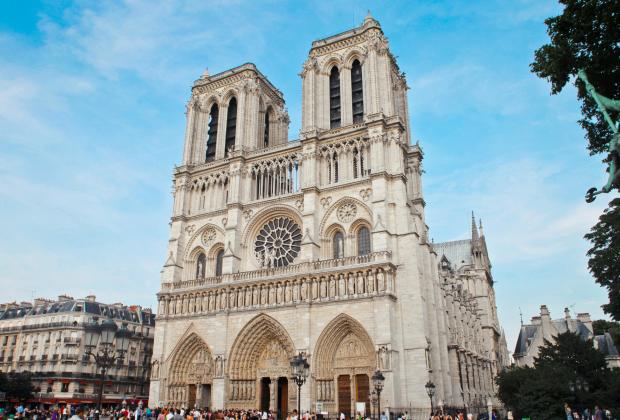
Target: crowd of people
597 413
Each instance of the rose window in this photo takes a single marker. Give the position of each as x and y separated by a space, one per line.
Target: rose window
278 242
346 212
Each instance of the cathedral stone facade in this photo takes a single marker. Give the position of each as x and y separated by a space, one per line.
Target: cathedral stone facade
317 245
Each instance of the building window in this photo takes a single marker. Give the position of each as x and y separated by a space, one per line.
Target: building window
200 265
334 98
212 134
338 245
231 125
363 241
357 92
219 261
64 387
266 134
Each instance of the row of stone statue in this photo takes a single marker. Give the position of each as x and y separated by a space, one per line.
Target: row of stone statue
242 390
337 286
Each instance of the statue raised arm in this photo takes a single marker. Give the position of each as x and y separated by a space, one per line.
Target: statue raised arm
613 159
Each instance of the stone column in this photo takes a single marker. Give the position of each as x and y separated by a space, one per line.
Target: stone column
220 153
346 100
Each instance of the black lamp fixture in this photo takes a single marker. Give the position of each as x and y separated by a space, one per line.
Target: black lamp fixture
430 391
377 381
107 344
299 372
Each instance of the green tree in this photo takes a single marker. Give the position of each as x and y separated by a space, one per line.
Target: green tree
604 262
17 385
586 35
540 391
602 326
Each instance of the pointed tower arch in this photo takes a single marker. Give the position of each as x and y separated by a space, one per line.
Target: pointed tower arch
344 360
259 366
190 373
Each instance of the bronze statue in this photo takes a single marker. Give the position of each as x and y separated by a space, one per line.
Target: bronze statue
603 103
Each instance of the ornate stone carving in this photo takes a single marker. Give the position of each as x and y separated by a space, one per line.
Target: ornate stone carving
326 202
346 212
190 229
247 213
208 236
300 204
278 243
224 221
365 193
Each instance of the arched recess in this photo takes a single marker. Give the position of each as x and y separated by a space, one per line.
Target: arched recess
262 351
190 373
255 225
331 216
344 360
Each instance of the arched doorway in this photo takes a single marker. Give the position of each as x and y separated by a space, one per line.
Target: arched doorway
344 361
190 376
259 367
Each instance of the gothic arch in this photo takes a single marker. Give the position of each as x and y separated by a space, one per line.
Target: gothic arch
194 240
355 54
334 208
190 365
331 61
267 214
262 337
345 347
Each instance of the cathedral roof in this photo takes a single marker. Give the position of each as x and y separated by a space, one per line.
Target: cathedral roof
207 78
458 253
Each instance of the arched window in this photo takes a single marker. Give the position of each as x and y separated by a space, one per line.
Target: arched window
212 134
231 125
338 245
357 92
334 98
266 134
219 261
363 241
201 263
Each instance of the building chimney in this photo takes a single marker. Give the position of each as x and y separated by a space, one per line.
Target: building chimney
64 298
536 320
91 298
566 313
544 312
585 319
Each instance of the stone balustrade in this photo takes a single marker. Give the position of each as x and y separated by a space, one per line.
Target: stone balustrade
309 282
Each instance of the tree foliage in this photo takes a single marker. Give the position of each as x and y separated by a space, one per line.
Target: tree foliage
539 392
586 35
16 385
604 262
602 326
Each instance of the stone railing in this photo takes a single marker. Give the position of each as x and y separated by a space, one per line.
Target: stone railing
312 283
279 272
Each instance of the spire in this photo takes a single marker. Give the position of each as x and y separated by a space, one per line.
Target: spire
474 230
369 20
480 228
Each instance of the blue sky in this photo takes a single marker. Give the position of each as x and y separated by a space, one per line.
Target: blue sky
92 99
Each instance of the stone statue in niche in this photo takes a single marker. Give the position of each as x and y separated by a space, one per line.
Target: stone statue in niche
384 358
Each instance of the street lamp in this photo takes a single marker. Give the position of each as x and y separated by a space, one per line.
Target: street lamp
377 381
107 345
299 371
430 391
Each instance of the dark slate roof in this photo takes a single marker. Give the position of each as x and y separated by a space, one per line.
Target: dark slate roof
606 345
526 334
124 313
458 253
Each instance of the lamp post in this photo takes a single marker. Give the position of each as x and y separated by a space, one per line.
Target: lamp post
576 387
299 371
373 402
107 345
377 381
430 391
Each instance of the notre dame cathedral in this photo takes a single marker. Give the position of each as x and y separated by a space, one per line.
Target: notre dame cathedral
319 246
